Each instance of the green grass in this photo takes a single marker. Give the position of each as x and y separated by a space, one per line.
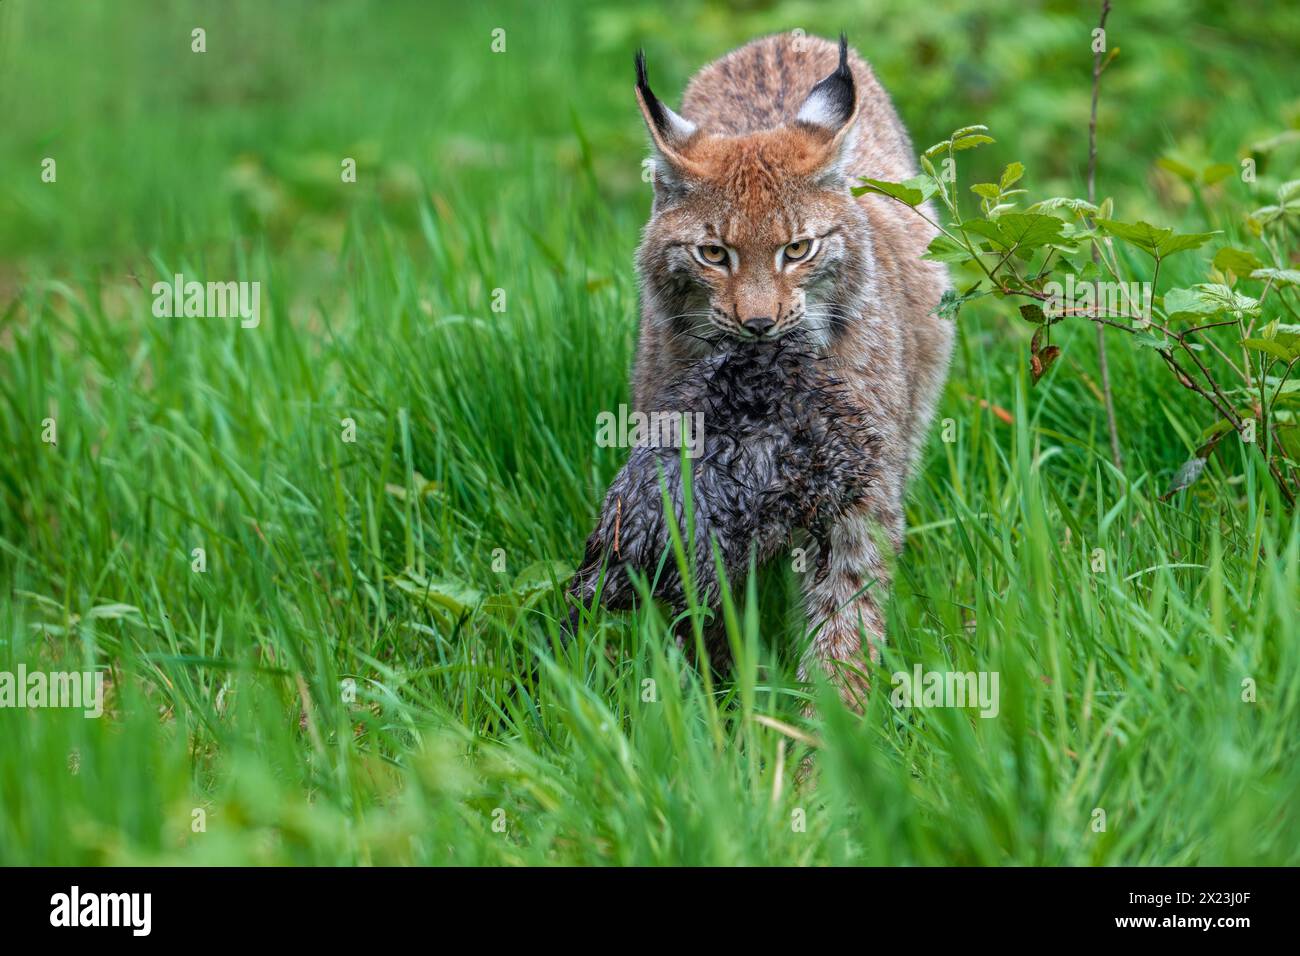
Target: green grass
374 561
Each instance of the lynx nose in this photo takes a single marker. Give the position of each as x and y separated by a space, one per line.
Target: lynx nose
760 325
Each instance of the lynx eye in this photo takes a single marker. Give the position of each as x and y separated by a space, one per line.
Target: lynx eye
713 255
799 249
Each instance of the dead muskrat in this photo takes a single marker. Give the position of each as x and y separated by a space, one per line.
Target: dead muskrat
783 450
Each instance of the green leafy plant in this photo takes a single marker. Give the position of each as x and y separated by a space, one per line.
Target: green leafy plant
1232 340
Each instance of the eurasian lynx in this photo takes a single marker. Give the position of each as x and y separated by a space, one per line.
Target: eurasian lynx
754 232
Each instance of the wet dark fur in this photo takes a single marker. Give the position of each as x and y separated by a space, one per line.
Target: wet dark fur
784 450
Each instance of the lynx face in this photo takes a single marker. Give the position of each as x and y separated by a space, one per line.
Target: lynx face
752 235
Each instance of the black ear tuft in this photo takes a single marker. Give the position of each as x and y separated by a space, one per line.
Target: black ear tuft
641 81
830 103
652 104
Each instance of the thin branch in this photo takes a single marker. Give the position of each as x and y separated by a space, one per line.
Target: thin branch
1226 411
1209 325
1224 355
1214 385
1188 382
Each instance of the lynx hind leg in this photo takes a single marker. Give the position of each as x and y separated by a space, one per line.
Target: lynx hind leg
844 594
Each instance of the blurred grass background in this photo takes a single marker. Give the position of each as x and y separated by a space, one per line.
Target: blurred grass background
375 562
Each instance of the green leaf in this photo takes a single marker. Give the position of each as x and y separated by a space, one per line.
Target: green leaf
1147 341
542 576
1208 298
987 190
965 135
1266 214
1188 302
1011 175
1241 261
1216 172
1080 207
1141 234
1077 231
1028 231
1234 303
950 302
1153 240
912 192
1218 428
1020 231
531 583
926 184
911 197
984 228
1273 142
1288 335
1279 276
1033 313
1179 169
451 597
1282 390
943 249
1181 243
1209 174
1270 347
1064 265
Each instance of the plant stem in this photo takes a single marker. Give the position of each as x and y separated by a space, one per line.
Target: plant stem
1103 366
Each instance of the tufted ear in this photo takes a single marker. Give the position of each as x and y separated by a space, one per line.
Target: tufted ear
831 109
669 132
